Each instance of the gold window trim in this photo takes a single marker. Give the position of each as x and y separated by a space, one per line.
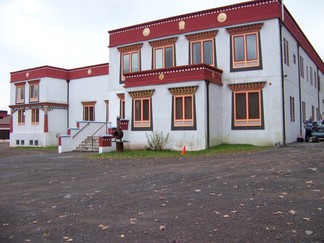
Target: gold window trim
244 29
164 42
141 94
183 90
88 103
202 35
247 86
121 96
135 47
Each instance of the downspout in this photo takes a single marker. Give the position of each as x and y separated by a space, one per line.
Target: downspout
282 87
68 103
207 113
300 91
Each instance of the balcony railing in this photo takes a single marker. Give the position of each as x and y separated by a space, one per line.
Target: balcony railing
197 72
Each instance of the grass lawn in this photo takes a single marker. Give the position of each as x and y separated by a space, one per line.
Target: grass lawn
223 148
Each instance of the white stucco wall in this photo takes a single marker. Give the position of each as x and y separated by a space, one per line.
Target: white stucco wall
161 113
272 95
53 90
84 90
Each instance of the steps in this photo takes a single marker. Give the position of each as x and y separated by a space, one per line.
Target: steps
90 144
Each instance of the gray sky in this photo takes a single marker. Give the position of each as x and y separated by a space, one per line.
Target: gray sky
73 33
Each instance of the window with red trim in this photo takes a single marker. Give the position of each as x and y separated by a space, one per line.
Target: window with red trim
121 105
21 117
163 57
89 111
34 91
292 109
142 112
20 93
286 51
301 63
130 59
245 50
247 105
183 110
202 51
245 47
35 116
247 108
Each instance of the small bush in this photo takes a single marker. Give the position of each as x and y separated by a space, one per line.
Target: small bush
156 140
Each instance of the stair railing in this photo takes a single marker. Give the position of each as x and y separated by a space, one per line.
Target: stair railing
81 130
96 132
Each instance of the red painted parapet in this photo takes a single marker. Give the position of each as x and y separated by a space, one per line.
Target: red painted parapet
105 141
124 124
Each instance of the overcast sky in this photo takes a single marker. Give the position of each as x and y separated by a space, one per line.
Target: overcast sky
73 33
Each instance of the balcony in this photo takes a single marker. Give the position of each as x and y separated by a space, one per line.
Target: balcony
198 72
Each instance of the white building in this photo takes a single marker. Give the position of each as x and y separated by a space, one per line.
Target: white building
235 74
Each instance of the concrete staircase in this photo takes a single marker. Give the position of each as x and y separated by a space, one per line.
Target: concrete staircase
90 144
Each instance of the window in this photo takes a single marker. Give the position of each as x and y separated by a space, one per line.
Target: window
245 47
33 91
122 105
202 48
89 111
183 108
130 59
307 72
20 93
292 109
313 112
21 117
247 106
301 63
311 75
286 51
315 81
163 57
142 110
163 53
35 116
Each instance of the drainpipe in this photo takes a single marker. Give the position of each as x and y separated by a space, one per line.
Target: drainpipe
300 91
282 87
68 103
207 113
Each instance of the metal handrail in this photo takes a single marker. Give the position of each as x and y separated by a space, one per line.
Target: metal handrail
96 132
81 130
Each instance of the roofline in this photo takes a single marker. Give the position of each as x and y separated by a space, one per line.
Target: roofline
185 16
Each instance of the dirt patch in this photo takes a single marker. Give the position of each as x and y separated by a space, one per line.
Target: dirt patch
272 195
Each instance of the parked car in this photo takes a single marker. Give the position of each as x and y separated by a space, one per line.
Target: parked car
318 130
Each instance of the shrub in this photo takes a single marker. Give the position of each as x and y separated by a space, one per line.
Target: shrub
156 140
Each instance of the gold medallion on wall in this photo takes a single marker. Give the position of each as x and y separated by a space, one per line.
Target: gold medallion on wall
146 32
222 17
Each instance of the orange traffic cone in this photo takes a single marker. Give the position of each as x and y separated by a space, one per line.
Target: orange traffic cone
184 150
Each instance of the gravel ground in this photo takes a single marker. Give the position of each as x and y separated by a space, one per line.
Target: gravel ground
272 195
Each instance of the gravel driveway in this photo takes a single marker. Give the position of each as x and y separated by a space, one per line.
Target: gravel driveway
272 195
